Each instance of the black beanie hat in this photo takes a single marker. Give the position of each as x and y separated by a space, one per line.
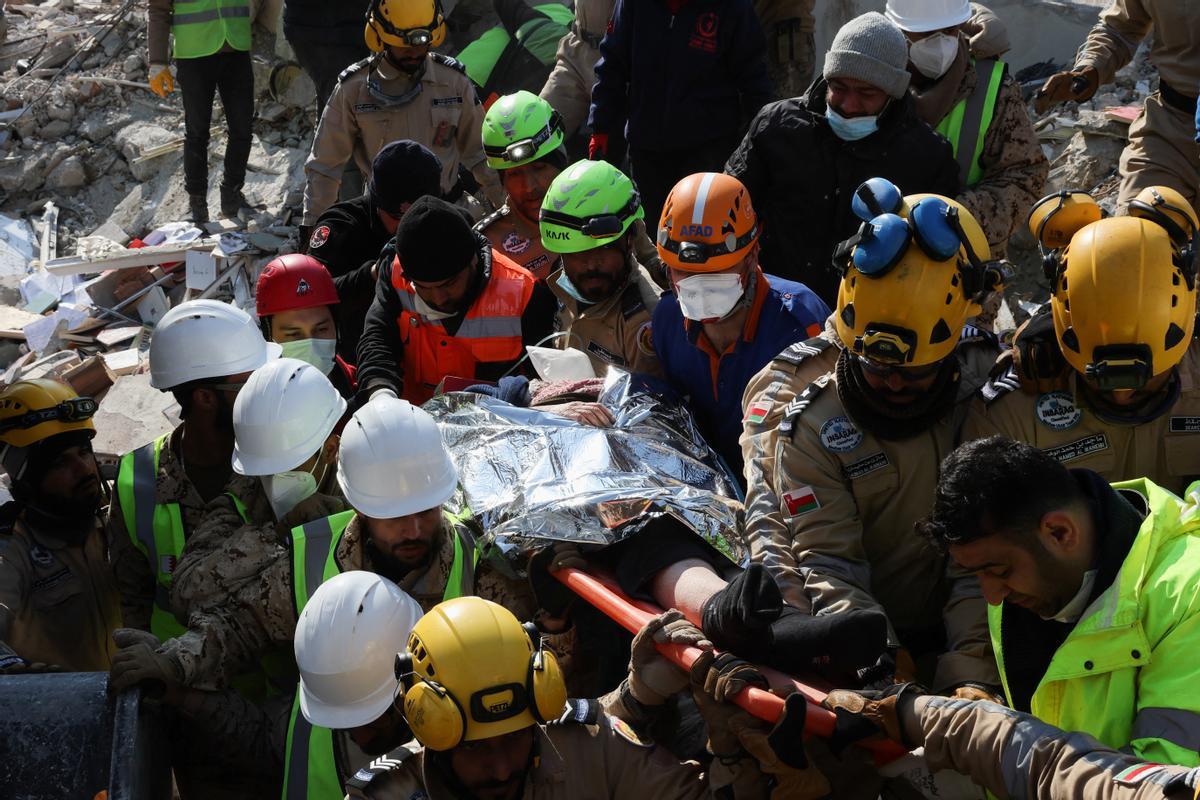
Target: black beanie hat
403 171
434 240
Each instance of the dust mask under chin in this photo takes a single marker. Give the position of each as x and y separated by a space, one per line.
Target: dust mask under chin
933 55
427 311
286 490
705 298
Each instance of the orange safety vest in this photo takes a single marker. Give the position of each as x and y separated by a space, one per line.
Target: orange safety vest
491 331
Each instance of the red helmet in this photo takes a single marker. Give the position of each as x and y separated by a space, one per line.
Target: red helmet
291 282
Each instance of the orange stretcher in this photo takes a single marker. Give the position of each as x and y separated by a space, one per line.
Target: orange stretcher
602 592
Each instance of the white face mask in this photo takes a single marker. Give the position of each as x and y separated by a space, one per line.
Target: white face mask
933 55
286 490
427 311
705 298
318 352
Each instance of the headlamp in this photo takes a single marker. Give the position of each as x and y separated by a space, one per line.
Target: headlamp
1120 366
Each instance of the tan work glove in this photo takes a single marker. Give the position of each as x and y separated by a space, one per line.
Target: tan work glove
1079 85
780 752
868 716
138 661
161 82
977 691
652 679
723 677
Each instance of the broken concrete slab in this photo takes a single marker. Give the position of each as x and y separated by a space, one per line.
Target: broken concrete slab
141 257
70 174
132 414
1087 160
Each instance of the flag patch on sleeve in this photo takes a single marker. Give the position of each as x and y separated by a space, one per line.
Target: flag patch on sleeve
800 501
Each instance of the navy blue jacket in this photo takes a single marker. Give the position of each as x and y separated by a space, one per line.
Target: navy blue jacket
783 312
674 81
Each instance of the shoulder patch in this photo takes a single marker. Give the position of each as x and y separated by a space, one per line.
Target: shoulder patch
971 333
319 237
1057 411
999 385
498 214
800 500
353 68
645 340
621 728
801 351
578 712
383 764
793 410
840 435
447 61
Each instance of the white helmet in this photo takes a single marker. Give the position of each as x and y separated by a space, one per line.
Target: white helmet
922 16
205 339
347 639
282 416
392 461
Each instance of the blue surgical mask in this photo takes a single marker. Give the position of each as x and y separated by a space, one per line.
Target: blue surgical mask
565 284
851 129
318 352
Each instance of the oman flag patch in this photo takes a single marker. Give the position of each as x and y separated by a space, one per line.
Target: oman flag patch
799 501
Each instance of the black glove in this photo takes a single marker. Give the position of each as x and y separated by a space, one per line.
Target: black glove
738 618
552 596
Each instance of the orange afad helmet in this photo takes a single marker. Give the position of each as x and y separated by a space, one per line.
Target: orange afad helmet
708 224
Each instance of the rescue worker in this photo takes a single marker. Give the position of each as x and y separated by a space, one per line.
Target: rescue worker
486 700
447 305
396 474
523 141
325 38
803 158
212 55
830 512
727 318
349 237
202 352
517 54
295 299
58 602
1090 591
791 48
569 88
348 635
1128 405
1162 148
403 91
590 220
974 102
679 80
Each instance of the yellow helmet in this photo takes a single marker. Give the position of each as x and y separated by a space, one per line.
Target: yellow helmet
911 280
1055 218
404 23
1170 209
1124 307
34 410
472 671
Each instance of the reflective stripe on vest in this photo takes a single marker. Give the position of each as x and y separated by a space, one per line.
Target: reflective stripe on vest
971 117
155 529
202 27
310 769
490 332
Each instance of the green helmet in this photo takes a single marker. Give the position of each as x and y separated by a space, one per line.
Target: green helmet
520 128
589 205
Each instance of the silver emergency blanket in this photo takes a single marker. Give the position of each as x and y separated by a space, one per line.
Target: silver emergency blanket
529 476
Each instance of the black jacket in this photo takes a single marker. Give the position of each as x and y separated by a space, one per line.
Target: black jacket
325 22
347 239
801 178
381 353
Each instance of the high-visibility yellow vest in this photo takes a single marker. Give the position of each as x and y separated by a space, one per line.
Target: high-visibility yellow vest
202 27
968 122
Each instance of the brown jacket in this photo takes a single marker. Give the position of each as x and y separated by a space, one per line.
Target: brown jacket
568 90
445 117
1125 23
615 332
519 239
261 613
577 762
58 602
841 535
1166 449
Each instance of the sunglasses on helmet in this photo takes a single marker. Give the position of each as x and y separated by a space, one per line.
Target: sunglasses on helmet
600 226
885 371
524 149
75 410
1120 366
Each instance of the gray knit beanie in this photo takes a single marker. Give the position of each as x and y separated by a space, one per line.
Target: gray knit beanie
872 49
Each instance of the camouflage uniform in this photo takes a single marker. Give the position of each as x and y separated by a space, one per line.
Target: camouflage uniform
1016 755
223 641
1162 149
58 601
1014 166
791 49
134 575
841 533
616 331
1165 449
568 90
519 239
